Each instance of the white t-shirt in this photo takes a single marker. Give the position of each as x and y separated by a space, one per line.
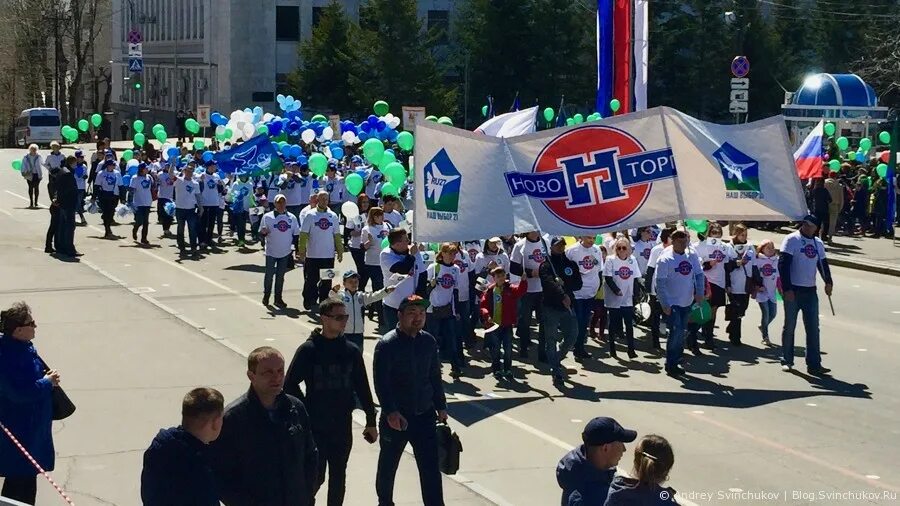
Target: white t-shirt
281 230
590 265
357 224
768 270
394 218
654 258
678 270
465 266
109 181
623 273
143 196
406 287
187 193
376 234
642 250
166 186
718 250
484 259
272 189
472 248
530 255
335 189
373 178
806 254
209 197
321 226
741 272
296 190
81 181
447 280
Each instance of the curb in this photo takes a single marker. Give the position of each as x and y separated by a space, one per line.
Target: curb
859 265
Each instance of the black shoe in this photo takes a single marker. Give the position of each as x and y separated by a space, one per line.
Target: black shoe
265 300
818 371
696 350
709 346
280 304
455 373
632 354
542 358
558 379
674 371
523 353
737 342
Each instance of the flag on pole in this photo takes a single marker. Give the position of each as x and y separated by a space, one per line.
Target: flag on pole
809 157
510 124
515 106
490 113
255 156
561 113
622 54
641 53
604 56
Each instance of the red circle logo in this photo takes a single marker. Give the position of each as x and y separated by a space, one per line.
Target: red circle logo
582 142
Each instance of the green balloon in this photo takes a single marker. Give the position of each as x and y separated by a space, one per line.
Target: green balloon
834 165
843 143
381 108
881 169
140 139
373 150
444 120
228 133
390 189
548 114
17 165
395 173
578 118
570 121
385 243
262 130
354 183
198 144
138 126
700 313
386 159
865 145
96 119
83 125
318 163
484 110
160 135
885 137
698 226
829 129
851 155
431 118
406 141
319 118
127 155
615 105
192 126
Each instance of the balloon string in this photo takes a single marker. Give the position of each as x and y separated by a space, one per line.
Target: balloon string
36 465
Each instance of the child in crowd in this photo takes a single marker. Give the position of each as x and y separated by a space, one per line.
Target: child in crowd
499 305
653 460
765 285
356 301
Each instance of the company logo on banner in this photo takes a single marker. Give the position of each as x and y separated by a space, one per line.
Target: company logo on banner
593 177
740 171
442 185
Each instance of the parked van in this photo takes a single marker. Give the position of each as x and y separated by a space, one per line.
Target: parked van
39 125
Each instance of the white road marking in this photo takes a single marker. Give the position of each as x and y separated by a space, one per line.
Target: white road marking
268 339
127 265
873 477
697 412
142 289
811 404
855 286
861 349
4 211
895 312
577 420
212 309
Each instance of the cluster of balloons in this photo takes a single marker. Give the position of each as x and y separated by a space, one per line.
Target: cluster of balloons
68 133
71 134
287 103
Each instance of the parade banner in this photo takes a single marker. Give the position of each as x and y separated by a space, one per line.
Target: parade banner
255 156
641 169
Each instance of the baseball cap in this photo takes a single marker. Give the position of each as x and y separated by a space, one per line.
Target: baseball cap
413 300
79 154
209 163
142 165
604 430
280 197
350 274
812 220
556 240
496 240
107 163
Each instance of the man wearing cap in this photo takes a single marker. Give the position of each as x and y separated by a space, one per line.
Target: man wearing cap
187 203
281 230
585 473
680 282
411 399
107 185
211 188
802 255
560 279
320 241
401 266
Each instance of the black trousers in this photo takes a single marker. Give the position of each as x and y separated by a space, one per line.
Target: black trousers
52 229
108 203
334 452
161 215
34 190
734 312
208 224
314 288
22 489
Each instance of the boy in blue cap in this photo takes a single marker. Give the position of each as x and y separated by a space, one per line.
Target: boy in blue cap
586 472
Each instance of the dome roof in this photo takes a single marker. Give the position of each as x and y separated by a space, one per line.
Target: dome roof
841 90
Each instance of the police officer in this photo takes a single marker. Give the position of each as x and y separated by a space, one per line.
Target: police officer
802 255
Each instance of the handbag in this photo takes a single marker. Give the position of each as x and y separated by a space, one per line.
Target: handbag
63 407
449 448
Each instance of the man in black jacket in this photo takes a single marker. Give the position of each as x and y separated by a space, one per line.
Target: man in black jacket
64 194
560 279
333 372
407 375
266 455
176 466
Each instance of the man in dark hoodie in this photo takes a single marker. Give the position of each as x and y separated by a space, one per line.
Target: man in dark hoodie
560 279
176 469
586 472
333 372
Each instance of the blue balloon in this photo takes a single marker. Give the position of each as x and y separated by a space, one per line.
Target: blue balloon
337 153
218 119
280 98
295 114
293 127
285 149
365 127
173 152
372 119
381 125
132 171
296 151
860 157
361 173
392 135
207 156
318 128
363 136
303 160
169 208
79 171
126 180
274 128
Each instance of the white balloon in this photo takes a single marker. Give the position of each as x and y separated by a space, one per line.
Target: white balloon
394 123
267 117
235 115
328 133
388 117
132 163
164 151
350 210
220 129
248 131
347 137
308 135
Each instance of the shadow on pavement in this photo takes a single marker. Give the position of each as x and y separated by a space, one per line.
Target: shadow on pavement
261 269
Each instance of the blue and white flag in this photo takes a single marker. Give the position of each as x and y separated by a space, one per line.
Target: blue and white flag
255 156
625 172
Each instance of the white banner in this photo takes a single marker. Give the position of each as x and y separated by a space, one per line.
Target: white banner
411 116
624 172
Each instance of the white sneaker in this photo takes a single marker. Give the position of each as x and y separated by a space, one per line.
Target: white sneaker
787 368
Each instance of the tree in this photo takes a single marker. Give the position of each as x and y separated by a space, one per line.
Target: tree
82 28
332 70
399 55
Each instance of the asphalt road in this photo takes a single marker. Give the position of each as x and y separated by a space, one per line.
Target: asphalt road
132 329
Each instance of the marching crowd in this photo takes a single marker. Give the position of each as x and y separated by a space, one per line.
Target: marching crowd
276 443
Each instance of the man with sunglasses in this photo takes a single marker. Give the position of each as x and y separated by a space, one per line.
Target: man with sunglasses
332 370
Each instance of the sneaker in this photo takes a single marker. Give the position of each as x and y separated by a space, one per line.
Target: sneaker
280 304
145 242
558 379
507 374
498 375
240 244
818 371
709 346
787 367
455 373
765 341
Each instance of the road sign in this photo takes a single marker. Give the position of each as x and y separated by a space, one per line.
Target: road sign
203 116
740 66
136 50
135 64
135 37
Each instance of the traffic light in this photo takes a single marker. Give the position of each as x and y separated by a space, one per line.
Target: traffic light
136 82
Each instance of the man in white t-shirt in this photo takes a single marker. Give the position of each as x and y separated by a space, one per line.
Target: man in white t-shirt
141 199
166 183
320 241
187 204
401 265
525 261
679 284
590 263
282 231
802 256
650 281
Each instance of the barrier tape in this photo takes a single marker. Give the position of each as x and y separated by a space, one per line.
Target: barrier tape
36 465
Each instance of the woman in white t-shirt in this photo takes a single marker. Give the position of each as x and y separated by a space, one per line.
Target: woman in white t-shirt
620 272
443 281
714 253
355 227
765 277
741 268
372 237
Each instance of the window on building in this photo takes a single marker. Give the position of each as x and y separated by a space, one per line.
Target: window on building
263 96
287 23
439 21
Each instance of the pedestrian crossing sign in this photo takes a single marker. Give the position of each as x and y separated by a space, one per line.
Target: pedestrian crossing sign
135 64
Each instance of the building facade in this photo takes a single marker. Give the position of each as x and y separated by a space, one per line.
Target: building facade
227 54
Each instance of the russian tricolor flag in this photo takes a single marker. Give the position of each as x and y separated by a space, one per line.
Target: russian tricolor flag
809 156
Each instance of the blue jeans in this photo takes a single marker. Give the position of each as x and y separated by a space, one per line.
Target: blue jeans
768 309
502 337
528 304
420 432
142 220
807 301
560 332
444 332
356 339
187 217
621 324
583 309
275 267
677 325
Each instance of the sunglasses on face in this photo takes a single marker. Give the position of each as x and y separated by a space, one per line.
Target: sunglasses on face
621 248
338 317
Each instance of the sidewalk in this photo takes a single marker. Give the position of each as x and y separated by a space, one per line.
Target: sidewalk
881 256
